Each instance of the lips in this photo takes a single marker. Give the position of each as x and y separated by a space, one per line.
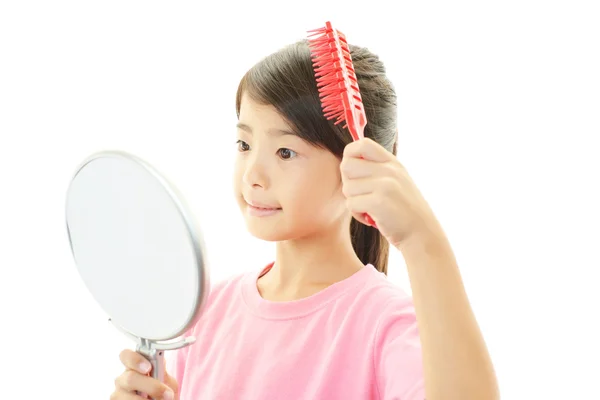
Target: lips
261 206
261 210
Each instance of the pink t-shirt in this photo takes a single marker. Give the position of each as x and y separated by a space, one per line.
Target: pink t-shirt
356 339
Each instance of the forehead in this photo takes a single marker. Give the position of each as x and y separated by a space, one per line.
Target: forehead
261 116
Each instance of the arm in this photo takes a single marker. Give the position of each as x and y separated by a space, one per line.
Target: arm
456 363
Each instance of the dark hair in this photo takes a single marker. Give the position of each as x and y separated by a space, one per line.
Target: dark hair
285 80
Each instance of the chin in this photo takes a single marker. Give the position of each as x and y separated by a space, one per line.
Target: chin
267 233
276 231
270 229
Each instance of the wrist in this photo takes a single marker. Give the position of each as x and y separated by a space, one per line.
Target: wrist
429 239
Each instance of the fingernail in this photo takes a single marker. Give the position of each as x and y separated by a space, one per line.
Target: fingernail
144 367
169 395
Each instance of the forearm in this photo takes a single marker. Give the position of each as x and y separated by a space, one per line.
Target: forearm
455 358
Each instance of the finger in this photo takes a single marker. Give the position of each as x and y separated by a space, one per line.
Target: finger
132 381
367 149
364 203
120 394
351 168
358 187
134 360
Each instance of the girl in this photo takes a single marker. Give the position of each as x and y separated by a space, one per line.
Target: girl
322 321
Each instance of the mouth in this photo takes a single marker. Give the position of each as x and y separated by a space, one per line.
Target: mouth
261 210
261 206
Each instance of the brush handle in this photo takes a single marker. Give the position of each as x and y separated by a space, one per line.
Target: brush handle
370 220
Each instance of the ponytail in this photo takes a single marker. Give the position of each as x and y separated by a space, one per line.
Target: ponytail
369 245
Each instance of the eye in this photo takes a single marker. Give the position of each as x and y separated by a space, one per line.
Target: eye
286 154
242 146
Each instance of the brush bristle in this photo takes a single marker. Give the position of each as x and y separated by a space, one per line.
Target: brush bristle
334 73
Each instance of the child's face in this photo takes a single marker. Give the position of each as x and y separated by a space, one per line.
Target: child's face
300 183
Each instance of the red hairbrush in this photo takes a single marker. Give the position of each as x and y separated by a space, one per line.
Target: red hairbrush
337 83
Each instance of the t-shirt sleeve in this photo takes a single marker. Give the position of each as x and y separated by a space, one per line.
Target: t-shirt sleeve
397 353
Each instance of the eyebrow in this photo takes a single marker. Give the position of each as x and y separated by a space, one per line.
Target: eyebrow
273 132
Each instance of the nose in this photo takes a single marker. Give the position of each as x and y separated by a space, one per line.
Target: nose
255 172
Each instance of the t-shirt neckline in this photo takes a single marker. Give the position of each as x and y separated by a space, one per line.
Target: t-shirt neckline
297 308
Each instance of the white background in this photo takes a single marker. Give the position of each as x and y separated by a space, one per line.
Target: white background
499 117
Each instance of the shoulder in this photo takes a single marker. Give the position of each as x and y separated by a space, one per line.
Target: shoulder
383 298
376 308
226 289
226 292
391 312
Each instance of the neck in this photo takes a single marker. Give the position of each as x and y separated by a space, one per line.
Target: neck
305 266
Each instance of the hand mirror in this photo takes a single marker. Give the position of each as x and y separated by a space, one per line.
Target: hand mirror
138 250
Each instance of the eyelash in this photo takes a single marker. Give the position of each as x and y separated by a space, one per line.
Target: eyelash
241 142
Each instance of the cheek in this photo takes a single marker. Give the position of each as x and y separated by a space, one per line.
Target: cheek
330 191
238 172
317 191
